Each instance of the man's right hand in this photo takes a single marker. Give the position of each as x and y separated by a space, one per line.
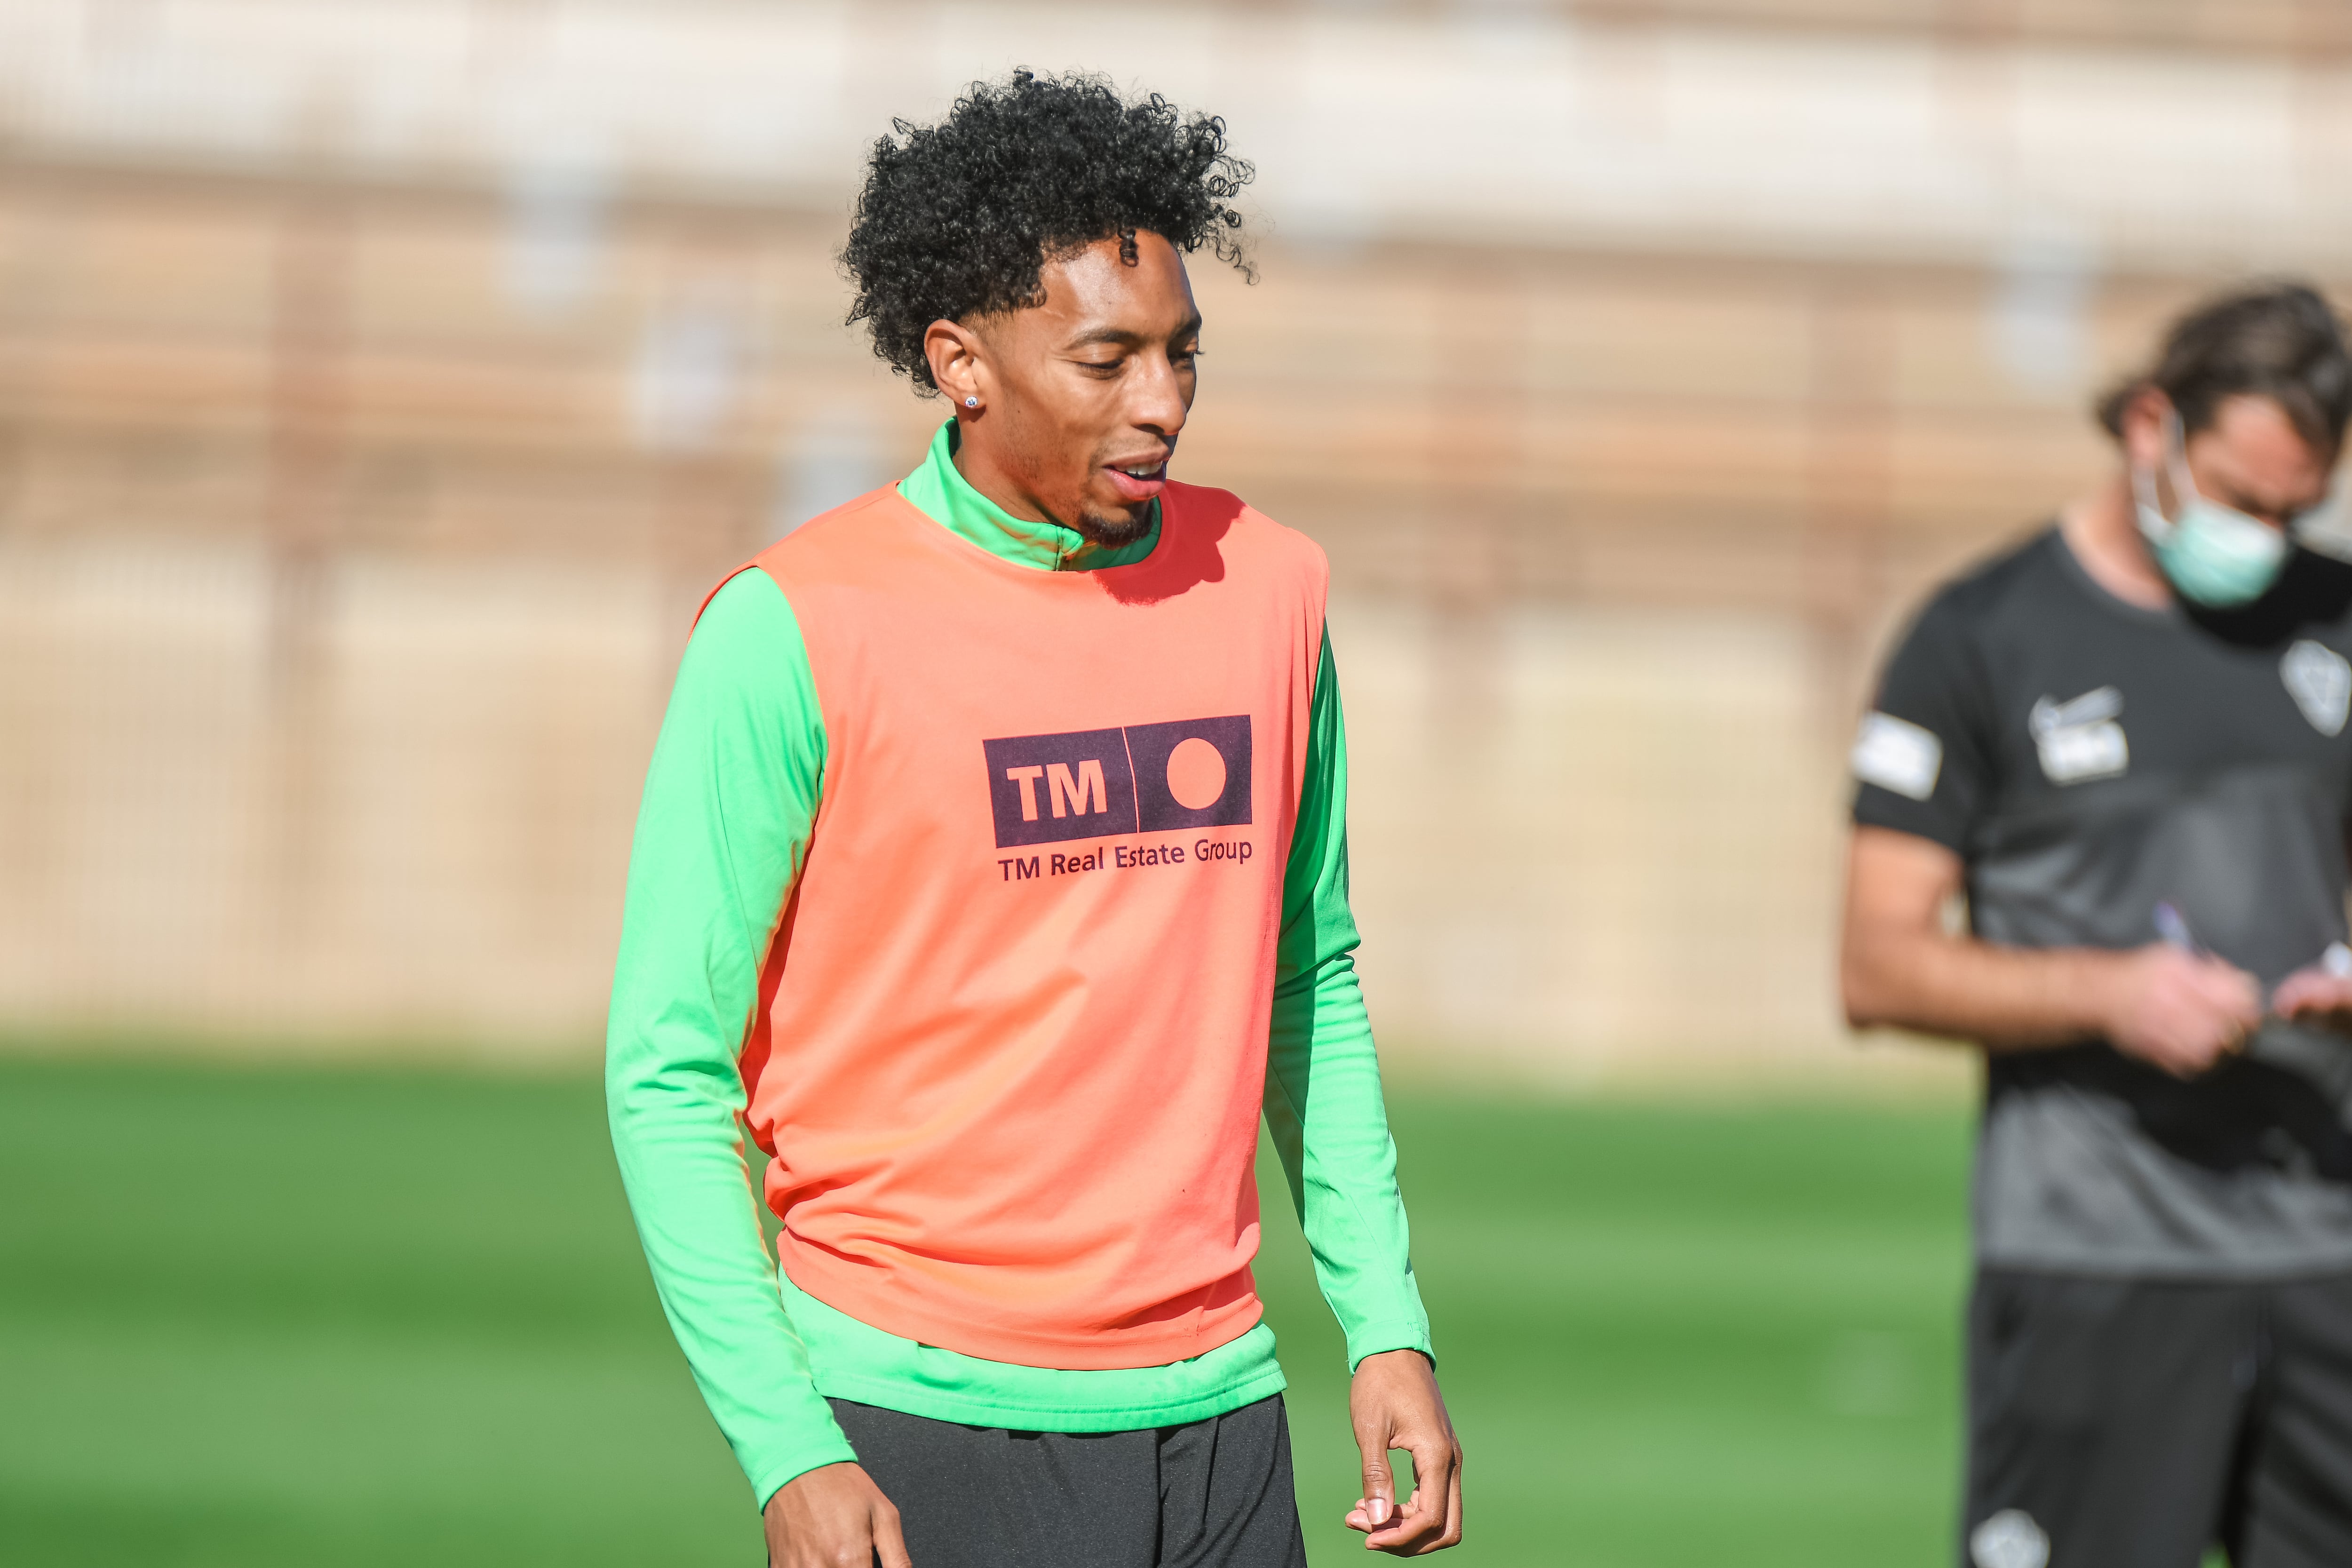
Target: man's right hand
833 1517
2180 1011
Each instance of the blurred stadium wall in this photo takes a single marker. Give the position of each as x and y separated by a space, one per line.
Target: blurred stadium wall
382 381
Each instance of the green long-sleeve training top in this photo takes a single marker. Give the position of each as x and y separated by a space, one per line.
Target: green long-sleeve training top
721 835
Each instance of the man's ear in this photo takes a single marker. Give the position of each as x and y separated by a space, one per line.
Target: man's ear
957 361
2143 428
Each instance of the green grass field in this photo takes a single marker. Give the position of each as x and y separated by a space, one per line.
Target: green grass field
251 1318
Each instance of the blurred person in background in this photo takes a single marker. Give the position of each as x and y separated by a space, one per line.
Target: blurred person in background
991 870
2124 745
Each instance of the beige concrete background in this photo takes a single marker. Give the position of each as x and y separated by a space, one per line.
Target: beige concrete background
380 385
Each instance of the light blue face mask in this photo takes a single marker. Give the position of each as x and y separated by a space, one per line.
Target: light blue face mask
2214 554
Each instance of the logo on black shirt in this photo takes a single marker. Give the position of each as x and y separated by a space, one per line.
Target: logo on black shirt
2080 739
2320 681
1144 778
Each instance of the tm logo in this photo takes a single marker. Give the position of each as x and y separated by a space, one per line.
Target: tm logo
1145 778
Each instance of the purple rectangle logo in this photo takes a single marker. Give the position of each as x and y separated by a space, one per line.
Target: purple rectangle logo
1092 783
1046 788
1191 774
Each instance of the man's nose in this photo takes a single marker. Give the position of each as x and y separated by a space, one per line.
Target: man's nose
1160 403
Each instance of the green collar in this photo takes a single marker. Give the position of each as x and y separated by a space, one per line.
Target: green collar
939 491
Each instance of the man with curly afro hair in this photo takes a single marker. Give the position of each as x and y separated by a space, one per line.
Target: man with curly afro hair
992 876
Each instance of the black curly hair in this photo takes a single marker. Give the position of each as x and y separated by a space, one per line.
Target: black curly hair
959 219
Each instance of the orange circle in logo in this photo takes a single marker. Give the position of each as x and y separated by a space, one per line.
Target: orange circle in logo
1196 775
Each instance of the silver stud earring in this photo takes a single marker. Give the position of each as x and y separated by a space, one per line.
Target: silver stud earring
971 403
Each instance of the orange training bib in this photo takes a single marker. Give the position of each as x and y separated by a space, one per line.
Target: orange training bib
1013 1038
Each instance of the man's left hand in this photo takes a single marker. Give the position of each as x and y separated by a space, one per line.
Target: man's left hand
1394 1404
2319 994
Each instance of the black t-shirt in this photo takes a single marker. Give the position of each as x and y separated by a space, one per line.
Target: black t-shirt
2090 760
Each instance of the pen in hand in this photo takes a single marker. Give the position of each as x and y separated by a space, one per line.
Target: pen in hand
2172 926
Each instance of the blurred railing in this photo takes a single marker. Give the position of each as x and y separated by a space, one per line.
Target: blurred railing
2316 27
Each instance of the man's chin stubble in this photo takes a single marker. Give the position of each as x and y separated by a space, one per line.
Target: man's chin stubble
1114 532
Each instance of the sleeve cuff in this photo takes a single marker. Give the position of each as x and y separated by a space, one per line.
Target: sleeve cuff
772 1477
1876 807
1393 1334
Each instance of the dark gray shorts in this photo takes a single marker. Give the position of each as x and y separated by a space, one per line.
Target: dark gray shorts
2129 1424
1209 1494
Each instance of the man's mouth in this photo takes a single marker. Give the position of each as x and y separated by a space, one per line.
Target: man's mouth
1139 482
